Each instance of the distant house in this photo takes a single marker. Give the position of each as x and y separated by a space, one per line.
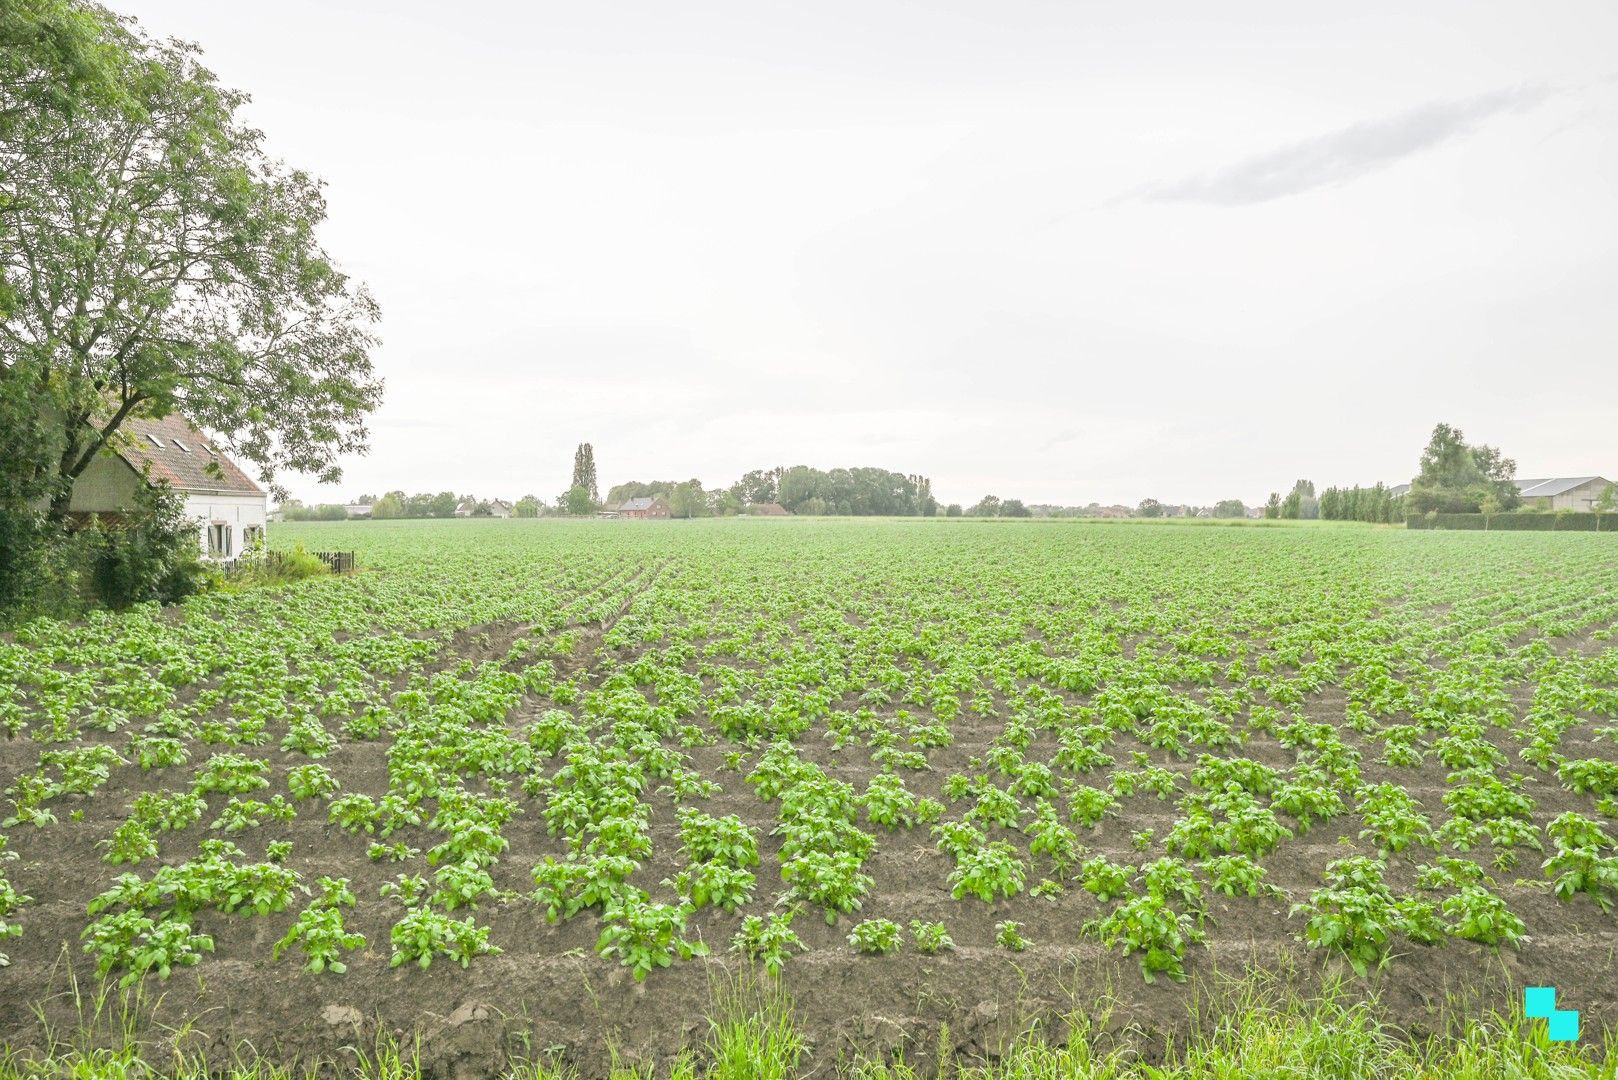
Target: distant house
357 510
1398 490
767 510
644 507
1563 492
229 509
478 508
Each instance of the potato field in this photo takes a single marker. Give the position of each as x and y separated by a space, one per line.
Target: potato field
551 783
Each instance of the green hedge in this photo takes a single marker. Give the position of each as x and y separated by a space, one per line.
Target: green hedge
1560 522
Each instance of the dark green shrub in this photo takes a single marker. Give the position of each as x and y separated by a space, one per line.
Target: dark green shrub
151 554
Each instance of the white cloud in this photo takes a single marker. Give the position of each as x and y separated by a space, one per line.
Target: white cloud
1346 154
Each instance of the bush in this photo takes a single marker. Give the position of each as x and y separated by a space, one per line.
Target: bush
261 567
1561 521
152 555
26 545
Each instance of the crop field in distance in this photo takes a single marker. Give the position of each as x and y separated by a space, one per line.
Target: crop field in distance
553 783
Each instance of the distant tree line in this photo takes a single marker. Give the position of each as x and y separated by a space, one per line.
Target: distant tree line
857 492
293 510
1452 477
686 498
396 504
1376 504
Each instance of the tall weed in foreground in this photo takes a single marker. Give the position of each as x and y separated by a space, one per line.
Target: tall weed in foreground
1253 1027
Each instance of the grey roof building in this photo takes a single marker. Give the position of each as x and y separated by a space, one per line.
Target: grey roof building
1563 492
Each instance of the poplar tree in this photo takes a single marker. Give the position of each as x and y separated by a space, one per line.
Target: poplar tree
584 471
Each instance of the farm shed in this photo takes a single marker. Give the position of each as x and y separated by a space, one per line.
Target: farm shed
766 510
1563 493
229 509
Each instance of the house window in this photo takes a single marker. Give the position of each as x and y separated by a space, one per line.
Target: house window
251 534
219 540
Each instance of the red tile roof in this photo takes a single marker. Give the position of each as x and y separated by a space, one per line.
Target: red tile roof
185 471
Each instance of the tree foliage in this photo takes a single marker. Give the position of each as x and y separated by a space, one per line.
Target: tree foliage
988 506
859 492
396 504
1375 504
56 55
1455 477
688 500
1300 503
758 486
584 471
576 500
154 259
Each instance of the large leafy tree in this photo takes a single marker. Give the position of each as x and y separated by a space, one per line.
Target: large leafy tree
688 500
154 259
1456 477
576 500
758 486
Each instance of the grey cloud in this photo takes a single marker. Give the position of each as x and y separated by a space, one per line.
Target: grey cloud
1346 154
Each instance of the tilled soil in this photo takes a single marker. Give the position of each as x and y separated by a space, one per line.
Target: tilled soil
549 995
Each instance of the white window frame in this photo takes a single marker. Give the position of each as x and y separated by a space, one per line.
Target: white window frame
219 539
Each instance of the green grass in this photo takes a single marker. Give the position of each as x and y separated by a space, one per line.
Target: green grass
1251 1030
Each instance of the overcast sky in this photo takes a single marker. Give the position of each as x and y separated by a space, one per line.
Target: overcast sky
1061 251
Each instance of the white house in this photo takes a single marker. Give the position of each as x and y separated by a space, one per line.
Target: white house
229 509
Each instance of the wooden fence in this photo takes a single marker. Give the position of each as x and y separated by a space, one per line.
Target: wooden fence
341 562
338 562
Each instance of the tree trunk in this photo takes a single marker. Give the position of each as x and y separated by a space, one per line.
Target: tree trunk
62 489
59 504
